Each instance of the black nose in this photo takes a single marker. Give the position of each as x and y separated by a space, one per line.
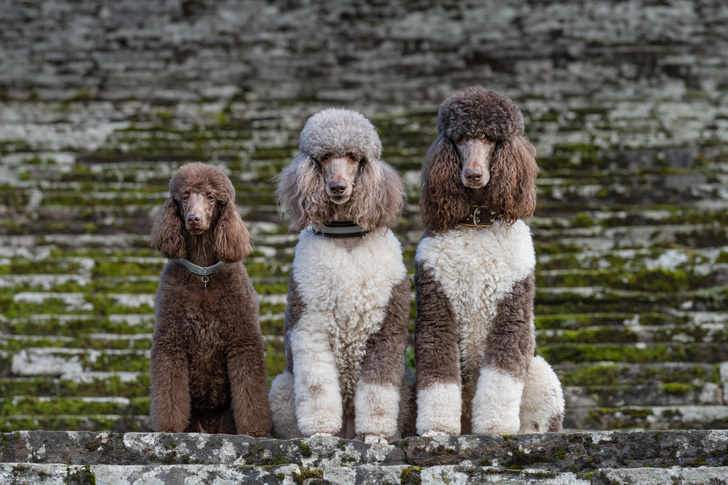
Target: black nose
473 176
193 219
337 188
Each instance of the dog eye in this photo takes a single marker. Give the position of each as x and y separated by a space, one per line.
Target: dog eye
461 140
352 158
185 198
210 198
325 159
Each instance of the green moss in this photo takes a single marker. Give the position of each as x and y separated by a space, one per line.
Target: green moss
676 388
305 450
410 476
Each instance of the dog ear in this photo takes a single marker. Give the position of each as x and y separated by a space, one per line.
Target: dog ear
301 193
232 240
167 232
379 195
512 186
444 201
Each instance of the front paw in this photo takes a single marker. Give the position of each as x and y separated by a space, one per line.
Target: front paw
499 424
371 439
432 432
320 435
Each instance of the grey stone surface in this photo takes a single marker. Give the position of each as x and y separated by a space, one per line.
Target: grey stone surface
590 458
626 101
553 452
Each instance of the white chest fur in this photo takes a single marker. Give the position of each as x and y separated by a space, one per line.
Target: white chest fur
346 292
475 268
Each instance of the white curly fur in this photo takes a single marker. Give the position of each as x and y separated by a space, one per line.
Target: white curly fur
476 268
345 292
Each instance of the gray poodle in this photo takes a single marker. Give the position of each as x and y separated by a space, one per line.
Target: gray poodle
346 319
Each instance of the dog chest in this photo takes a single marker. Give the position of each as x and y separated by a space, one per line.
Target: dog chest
345 292
475 268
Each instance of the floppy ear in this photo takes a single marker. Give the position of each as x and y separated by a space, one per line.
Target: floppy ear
232 241
167 232
379 195
512 187
444 201
301 193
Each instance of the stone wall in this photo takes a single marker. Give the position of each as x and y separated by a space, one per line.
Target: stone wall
391 51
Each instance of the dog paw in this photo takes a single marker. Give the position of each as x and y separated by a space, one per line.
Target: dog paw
320 435
432 432
371 439
500 425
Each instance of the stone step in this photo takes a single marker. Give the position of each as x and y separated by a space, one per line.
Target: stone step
23 473
74 324
657 394
117 423
648 417
549 452
706 332
668 317
56 361
623 374
638 352
79 384
20 405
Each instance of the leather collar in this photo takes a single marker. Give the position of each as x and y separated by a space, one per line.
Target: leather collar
341 230
479 216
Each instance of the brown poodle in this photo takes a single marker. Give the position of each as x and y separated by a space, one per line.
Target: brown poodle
475 277
208 368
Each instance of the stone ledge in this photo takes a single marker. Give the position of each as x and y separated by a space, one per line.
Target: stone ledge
549 452
42 474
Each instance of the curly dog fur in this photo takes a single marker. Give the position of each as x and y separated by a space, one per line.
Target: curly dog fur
475 286
208 369
348 298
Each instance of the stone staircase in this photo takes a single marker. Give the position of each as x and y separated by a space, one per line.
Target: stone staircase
629 112
632 253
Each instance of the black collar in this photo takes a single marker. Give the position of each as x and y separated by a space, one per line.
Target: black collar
341 230
479 216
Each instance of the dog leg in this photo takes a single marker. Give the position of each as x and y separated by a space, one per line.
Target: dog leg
497 402
170 400
377 398
319 407
508 354
439 396
283 407
248 381
542 406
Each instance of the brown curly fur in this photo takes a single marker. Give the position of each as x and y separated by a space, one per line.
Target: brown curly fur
511 191
208 369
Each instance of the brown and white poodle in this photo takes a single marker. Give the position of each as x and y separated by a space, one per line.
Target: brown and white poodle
346 320
475 277
208 370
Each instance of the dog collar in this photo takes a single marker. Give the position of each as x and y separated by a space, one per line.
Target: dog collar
203 271
479 216
341 230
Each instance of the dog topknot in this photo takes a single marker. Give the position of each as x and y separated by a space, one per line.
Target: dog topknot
338 132
510 195
477 112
